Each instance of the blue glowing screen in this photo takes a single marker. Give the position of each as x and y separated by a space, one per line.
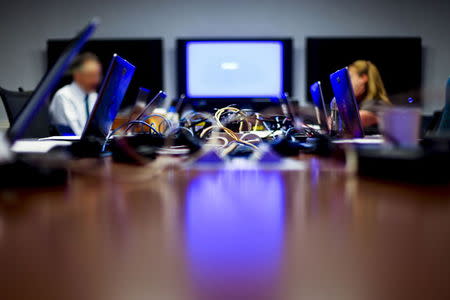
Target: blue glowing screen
234 69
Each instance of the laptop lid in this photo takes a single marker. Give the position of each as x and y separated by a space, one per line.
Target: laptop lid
288 111
152 105
319 105
110 96
142 96
48 83
346 102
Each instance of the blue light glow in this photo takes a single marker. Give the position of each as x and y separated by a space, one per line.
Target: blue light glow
234 69
235 225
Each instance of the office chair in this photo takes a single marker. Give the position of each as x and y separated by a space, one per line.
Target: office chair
14 102
444 125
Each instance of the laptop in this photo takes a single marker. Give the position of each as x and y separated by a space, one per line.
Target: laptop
142 97
110 96
346 102
97 128
288 111
49 83
319 106
151 106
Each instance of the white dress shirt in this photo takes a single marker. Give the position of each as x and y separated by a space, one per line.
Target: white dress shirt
68 107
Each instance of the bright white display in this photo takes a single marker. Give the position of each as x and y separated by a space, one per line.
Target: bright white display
234 69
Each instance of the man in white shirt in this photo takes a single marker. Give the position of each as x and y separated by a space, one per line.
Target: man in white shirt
72 104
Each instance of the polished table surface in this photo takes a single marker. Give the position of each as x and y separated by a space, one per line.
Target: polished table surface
313 231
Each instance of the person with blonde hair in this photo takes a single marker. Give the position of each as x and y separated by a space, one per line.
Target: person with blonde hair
369 91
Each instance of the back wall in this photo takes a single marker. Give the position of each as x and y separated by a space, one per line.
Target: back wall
27 25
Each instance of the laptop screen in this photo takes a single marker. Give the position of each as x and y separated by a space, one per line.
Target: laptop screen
112 91
319 104
49 83
346 102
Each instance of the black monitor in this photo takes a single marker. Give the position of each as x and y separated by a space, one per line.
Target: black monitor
234 70
399 60
145 54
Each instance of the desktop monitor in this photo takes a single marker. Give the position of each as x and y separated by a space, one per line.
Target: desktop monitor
399 60
145 54
219 69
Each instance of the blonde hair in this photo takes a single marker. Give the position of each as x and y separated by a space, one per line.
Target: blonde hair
375 88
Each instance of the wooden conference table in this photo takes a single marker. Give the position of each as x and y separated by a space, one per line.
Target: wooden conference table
315 232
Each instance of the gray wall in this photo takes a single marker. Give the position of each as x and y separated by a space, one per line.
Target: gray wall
28 24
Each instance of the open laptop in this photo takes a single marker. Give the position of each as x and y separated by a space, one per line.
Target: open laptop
151 105
346 102
349 110
112 91
49 83
319 106
110 96
142 97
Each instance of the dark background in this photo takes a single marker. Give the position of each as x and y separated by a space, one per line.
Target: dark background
145 54
399 61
